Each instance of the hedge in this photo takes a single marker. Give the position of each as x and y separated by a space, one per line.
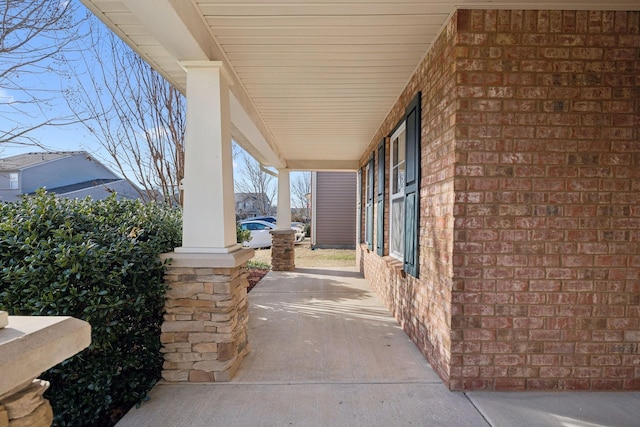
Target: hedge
97 261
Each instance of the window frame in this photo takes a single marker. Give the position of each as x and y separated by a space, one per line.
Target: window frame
399 195
14 181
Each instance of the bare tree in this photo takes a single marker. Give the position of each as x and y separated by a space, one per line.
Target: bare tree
35 38
137 116
300 192
252 179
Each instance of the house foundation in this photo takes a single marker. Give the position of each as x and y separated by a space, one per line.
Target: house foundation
204 333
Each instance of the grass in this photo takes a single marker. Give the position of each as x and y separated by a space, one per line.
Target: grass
305 257
258 264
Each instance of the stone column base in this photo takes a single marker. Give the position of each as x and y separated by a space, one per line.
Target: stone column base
204 334
283 253
24 406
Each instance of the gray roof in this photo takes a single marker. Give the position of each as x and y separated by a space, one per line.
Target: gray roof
23 161
81 186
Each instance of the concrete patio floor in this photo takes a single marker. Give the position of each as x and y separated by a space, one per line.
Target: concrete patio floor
326 352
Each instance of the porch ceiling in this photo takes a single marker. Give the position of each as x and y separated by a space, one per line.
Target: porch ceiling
315 78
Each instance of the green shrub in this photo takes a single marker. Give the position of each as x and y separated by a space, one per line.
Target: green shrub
97 261
242 235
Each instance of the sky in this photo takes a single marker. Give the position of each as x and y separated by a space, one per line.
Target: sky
48 81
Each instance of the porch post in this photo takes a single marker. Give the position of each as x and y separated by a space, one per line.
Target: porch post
204 333
283 237
284 200
209 205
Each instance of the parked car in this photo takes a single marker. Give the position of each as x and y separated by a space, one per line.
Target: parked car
298 227
260 233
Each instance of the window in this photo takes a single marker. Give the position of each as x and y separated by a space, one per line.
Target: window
254 226
13 181
404 189
396 192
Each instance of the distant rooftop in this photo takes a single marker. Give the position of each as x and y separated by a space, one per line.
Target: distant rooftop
23 161
81 186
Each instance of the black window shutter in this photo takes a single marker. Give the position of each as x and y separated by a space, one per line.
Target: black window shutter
380 200
412 188
370 204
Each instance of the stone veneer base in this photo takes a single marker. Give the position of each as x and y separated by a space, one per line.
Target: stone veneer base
283 250
204 334
29 345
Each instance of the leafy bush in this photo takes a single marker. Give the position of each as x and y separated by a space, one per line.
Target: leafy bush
242 235
97 261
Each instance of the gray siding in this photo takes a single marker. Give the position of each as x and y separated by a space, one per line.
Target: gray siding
335 209
61 172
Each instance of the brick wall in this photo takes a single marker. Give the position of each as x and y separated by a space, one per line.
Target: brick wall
536 285
547 230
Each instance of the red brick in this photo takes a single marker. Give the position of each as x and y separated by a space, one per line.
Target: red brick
574 384
575 360
509 359
544 335
606 360
606 385
477 359
554 372
520 370
631 384
510 384
496 347
618 372
587 372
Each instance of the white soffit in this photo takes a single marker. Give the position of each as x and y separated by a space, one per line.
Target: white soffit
316 78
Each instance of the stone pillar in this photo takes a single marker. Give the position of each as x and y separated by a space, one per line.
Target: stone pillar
29 345
283 250
24 406
204 334
283 237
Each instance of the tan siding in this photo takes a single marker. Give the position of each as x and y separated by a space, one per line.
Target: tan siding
335 201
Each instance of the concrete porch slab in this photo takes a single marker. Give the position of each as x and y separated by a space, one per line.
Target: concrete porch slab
326 326
570 409
325 351
304 405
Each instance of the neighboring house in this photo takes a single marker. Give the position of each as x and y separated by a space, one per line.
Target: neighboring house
333 207
252 204
70 174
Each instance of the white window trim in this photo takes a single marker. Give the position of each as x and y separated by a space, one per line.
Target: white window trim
399 194
13 181
367 203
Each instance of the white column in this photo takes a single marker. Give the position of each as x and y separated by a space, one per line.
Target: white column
284 201
209 204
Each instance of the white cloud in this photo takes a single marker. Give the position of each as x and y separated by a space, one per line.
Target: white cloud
5 98
157 133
